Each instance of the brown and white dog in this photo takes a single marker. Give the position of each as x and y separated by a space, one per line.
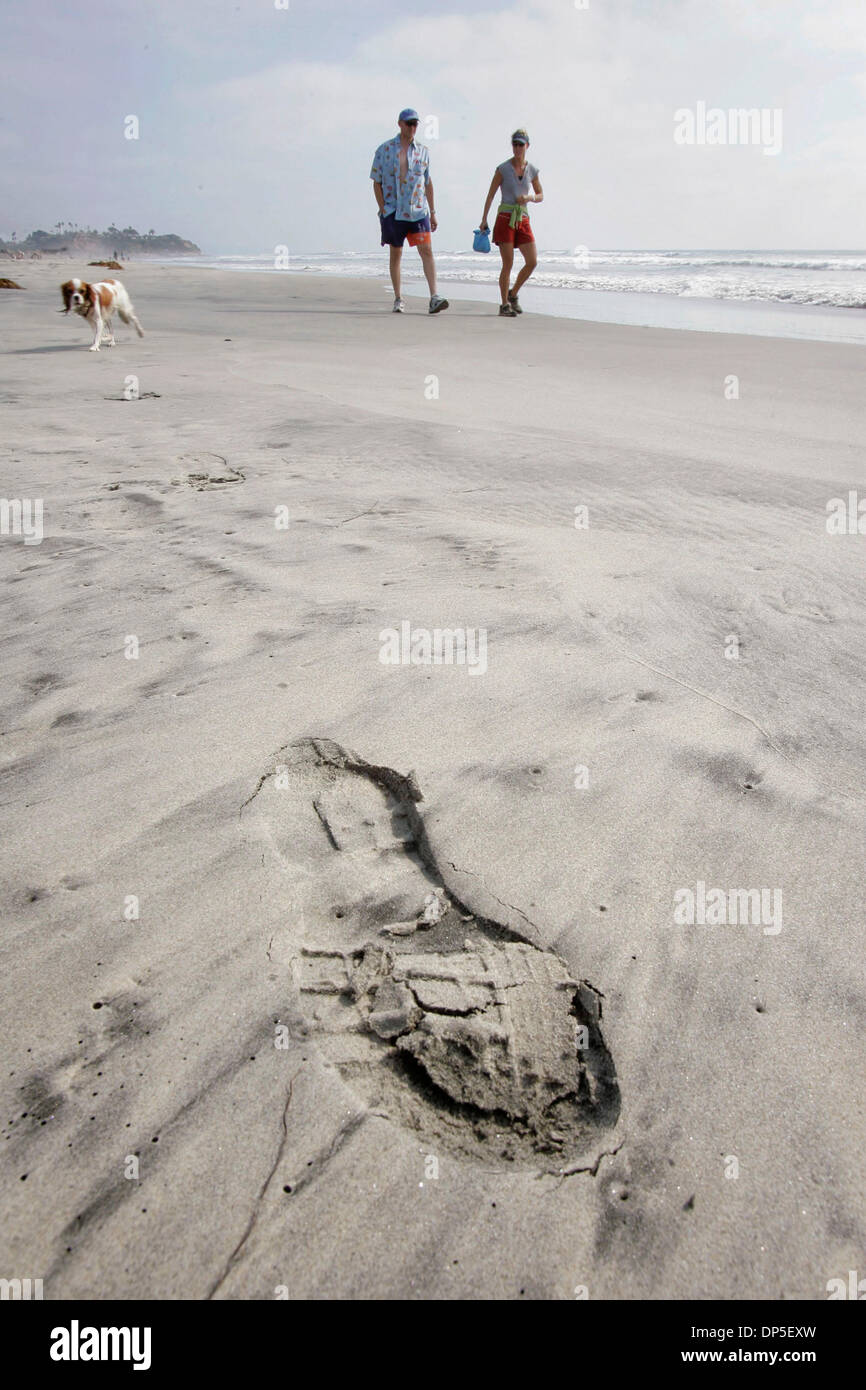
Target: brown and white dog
97 303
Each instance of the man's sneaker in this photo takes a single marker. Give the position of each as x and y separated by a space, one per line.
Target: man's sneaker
506 312
399 307
437 304
513 301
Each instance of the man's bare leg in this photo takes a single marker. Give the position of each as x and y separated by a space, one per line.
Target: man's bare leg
394 265
425 251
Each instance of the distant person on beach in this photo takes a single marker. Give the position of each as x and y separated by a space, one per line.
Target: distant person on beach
515 178
404 193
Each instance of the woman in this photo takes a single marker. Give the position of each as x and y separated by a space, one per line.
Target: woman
515 178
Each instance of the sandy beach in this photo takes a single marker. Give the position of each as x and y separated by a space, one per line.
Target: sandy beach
295 937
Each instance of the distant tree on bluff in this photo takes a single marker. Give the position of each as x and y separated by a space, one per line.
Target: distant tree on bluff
68 236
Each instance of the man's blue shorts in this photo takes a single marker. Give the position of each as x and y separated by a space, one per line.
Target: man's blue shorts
394 232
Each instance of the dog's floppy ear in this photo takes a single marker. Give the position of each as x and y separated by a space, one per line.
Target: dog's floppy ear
66 291
89 293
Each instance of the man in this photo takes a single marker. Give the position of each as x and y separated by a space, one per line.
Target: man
404 194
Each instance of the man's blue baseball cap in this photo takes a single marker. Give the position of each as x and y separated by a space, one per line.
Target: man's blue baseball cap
408 115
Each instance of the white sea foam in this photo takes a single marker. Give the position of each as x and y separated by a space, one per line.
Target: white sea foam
836 279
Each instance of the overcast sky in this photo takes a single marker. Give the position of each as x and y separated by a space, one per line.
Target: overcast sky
257 124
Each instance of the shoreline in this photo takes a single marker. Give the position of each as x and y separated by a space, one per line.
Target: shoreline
754 317
771 318
751 318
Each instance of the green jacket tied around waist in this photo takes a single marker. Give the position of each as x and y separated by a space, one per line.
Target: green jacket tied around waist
517 211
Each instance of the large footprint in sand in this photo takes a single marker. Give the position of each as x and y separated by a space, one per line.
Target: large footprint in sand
448 1022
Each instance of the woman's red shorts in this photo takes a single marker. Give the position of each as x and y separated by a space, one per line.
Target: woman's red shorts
505 234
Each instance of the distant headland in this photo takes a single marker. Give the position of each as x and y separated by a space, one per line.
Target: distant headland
85 241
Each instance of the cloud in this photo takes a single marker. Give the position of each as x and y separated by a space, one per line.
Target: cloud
258 126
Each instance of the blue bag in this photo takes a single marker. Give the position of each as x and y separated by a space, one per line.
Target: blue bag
481 241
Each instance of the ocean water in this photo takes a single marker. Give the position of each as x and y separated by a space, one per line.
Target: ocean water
810 294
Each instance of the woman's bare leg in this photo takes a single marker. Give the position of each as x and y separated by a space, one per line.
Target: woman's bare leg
506 251
530 261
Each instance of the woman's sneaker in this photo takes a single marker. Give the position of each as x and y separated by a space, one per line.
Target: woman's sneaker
513 301
437 304
506 312
399 307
